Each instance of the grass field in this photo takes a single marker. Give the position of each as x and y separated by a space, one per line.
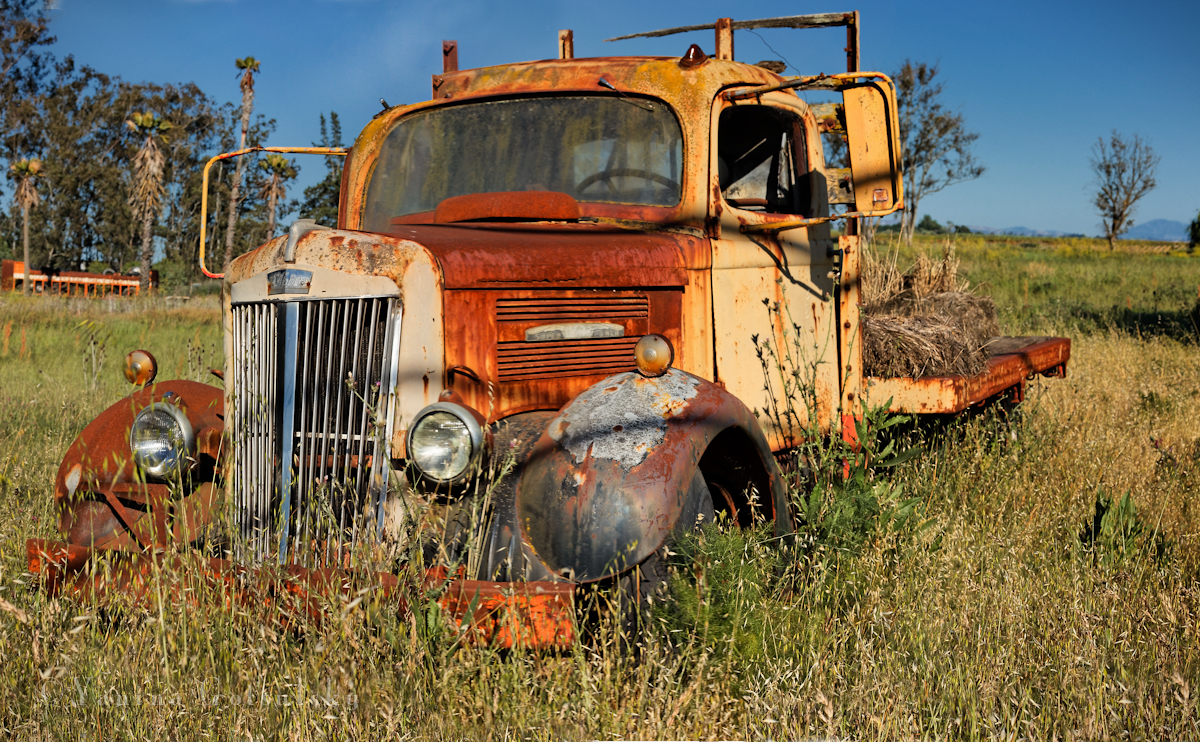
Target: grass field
990 588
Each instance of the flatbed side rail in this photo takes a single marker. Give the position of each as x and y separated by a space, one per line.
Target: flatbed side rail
1013 363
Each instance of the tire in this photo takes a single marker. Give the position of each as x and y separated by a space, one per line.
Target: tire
640 587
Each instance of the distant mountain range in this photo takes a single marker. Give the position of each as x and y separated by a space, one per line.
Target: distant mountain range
1164 230
1022 231
1161 230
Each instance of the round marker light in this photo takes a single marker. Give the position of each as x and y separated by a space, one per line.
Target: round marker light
653 355
162 440
140 368
444 441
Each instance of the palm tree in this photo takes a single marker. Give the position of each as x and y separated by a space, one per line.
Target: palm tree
249 66
279 171
146 197
26 173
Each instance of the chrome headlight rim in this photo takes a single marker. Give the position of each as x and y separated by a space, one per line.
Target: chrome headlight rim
474 430
187 433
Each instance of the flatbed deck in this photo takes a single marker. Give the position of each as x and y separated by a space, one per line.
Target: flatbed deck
1013 362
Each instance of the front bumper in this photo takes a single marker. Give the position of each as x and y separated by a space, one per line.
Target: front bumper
531 615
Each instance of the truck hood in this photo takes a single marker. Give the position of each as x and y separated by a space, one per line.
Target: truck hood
483 256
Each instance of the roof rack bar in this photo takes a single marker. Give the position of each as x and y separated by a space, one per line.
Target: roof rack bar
725 28
852 60
815 20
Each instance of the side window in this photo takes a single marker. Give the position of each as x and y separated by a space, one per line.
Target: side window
761 160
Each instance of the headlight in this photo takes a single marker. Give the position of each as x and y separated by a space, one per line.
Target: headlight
444 440
161 440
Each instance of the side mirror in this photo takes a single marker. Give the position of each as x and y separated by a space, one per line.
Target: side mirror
873 140
867 118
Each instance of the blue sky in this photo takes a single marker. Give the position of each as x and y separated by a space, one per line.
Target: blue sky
1039 81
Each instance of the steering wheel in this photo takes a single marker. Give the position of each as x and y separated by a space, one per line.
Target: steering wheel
619 172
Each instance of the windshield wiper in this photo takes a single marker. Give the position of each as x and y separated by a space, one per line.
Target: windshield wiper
644 106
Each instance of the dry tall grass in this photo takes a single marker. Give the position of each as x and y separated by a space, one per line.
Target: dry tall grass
988 619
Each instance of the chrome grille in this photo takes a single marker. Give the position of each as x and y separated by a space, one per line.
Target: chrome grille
311 380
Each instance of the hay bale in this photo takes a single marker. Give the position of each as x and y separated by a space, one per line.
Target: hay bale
974 315
923 322
883 279
918 346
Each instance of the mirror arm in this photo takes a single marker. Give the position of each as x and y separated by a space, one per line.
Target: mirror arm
815 82
782 226
336 151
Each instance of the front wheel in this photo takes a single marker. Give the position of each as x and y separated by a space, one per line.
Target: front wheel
640 587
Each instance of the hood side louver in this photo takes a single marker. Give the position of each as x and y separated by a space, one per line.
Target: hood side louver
520 359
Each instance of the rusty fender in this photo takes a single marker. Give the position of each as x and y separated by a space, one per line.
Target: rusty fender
605 483
102 500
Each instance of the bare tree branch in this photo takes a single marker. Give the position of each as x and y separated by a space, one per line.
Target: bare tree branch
1124 173
935 144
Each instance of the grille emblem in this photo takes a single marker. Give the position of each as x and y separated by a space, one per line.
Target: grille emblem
289 281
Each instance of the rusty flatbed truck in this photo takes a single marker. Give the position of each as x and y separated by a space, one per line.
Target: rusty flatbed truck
562 264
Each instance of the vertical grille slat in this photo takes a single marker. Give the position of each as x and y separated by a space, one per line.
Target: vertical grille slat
254 372
305 445
310 481
335 452
352 405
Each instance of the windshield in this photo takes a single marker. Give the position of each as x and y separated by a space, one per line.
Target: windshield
595 148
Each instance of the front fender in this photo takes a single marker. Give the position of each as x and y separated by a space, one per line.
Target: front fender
97 476
604 485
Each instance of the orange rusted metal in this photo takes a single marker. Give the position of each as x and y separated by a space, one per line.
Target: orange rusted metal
534 615
70 283
566 44
850 352
631 446
525 205
101 497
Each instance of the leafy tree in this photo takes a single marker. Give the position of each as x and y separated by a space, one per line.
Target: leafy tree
931 226
24 65
146 198
278 171
249 66
25 173
935 143
1194 233
85 216
72 119
1124 173
198 127
86 150
321 199
24 61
